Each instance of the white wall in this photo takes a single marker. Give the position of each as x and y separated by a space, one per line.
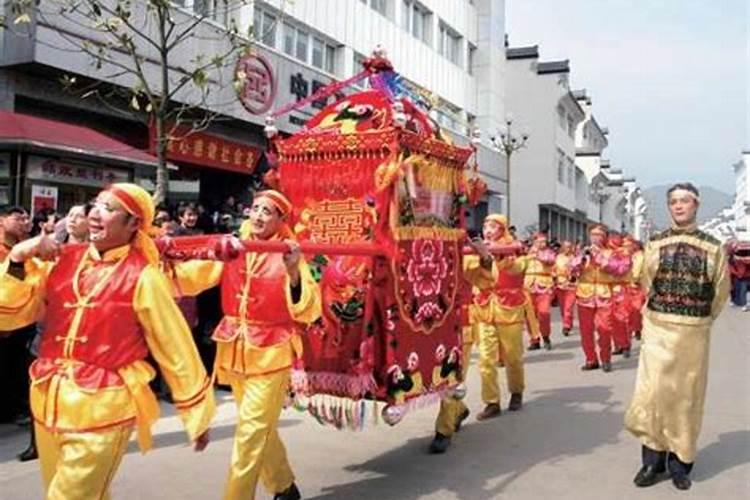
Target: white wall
359 28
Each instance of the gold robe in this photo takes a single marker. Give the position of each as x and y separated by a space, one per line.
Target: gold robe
686 279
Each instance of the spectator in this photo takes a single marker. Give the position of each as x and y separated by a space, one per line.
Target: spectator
187 216
44 222
77 224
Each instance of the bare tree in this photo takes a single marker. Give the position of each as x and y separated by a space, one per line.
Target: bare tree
144 43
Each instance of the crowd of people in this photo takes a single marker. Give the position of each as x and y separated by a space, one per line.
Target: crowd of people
667 295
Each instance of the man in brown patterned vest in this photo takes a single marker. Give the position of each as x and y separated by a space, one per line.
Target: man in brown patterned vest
686 280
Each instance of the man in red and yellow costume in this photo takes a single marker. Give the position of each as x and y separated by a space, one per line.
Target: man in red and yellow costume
90 382
500 311
565 282
264 297
620 300
479 274
539 282
634 291
597 267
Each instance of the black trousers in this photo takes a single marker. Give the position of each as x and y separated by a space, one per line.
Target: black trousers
665 461
14 373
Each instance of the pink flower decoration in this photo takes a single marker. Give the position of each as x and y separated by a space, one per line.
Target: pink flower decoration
427 267
428 311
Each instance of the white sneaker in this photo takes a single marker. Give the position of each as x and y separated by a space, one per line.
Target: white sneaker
746 309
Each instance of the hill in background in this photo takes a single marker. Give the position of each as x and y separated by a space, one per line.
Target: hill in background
712 202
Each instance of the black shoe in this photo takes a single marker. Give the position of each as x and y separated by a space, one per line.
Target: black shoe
626 353
547 344
534 346
649 475
681 482
28 454
439 444
291 493
618 351
637 335
492 410
461 419
590 366
566 332
516 402
607 367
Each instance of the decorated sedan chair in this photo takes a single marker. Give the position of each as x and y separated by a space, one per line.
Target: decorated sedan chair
372 168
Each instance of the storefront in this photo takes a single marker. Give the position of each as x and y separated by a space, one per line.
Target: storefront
48 163
208 168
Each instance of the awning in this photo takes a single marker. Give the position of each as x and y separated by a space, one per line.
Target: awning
31 133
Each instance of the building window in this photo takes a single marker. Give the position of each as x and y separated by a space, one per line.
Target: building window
560 167
416 20
449 44
330 59
300 51
571 174
470 58
290 34
561 116
264 27
323 55
380 6
212 9
571 126
296 42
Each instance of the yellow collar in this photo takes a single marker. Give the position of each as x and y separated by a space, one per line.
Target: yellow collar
111 255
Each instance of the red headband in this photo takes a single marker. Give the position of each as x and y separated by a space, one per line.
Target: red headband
127 201
279 200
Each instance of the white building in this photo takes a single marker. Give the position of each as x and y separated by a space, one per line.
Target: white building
454 50
741 205
544 180
722 226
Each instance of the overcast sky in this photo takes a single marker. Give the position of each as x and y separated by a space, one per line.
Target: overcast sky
668 77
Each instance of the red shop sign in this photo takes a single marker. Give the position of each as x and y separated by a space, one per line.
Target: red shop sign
257 87
200 148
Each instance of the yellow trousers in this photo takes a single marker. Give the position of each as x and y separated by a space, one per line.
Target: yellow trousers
80 465
258 451
451 408
532 322
491 337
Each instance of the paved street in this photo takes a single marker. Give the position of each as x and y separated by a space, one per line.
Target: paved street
568 442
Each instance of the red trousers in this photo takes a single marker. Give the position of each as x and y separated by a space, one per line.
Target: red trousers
566 299
597 319
542 304
621 322
636 299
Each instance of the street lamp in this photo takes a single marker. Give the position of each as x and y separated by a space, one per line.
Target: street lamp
508 142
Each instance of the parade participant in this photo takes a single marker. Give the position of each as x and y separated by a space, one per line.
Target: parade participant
14 380
633 290
739 269
686 280
500 310
90 381
620 302
596 268
565 283
540 284
263 297
479 275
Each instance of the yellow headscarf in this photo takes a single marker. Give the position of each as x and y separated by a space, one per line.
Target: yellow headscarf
499 218
136 201
284 206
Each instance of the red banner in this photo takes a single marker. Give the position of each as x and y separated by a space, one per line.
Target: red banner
200 148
